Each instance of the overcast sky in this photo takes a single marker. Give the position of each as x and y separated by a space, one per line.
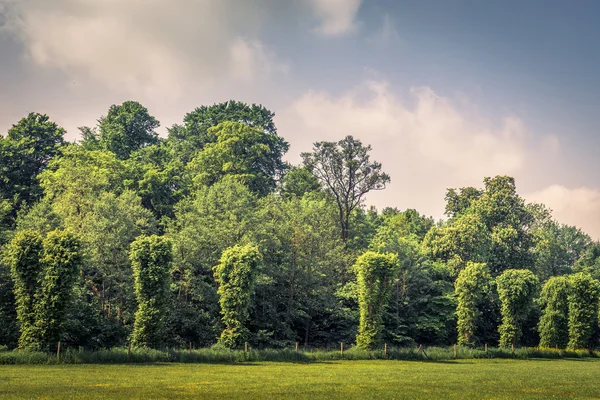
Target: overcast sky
446 91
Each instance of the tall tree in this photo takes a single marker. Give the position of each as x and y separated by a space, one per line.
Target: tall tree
127 127
236 274
242 152
191 137
584 294
471 285
23 256
516 288
347 172
62 258
375 274
553 324
25 151
151 258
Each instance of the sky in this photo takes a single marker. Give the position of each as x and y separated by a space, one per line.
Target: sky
446 92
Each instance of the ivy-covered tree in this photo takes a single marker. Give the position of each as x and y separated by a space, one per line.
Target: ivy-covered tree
151 258
236 274
23 256
62 259
471 285
584 294
554 322
375 274
516 289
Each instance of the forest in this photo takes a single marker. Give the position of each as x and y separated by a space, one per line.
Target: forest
208 237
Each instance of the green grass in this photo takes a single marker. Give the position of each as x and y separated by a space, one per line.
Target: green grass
380 379
221 355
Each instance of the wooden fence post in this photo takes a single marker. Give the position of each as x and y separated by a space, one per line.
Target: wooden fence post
342 348
129 350
485 348
190 347
455 351
297 344
246 347
385 350
58 351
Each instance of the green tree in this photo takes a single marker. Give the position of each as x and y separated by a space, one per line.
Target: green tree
23 256
471 285
375 276
25 152
62 258
553 326
584 294
127 127
298 181
236 275
516 288
242 152
188 139
347 172
151 258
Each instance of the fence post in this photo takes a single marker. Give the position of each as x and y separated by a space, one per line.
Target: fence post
513 348
190 347
454 350
385 350
485 348
246 347
341 348
58 351
129 350
297 344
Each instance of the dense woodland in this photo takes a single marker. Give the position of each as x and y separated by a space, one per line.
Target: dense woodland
208 237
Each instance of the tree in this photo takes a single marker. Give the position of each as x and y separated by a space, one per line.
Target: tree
375 274
584 294
127 127
188 139
23 256
516 288
298 181
62 258
472 283
242 152
25 152
235 275
345 169
151 258
553 326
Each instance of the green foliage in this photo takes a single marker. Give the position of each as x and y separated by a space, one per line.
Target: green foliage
471 285
127 127
236 275
245 153
23 256
193 135
151 258
298 181
25 151
516 289
375 276
553 325
62 261
348 174
584 294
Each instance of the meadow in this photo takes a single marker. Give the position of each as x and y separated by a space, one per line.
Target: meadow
347 379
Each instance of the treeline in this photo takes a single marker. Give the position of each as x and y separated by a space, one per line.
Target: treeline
207 236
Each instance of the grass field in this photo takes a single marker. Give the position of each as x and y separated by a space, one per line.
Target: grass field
378 379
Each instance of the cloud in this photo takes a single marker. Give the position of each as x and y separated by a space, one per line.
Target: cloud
337 17
573 206
425 141
147 47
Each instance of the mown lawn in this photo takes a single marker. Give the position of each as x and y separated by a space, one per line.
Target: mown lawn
475 379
